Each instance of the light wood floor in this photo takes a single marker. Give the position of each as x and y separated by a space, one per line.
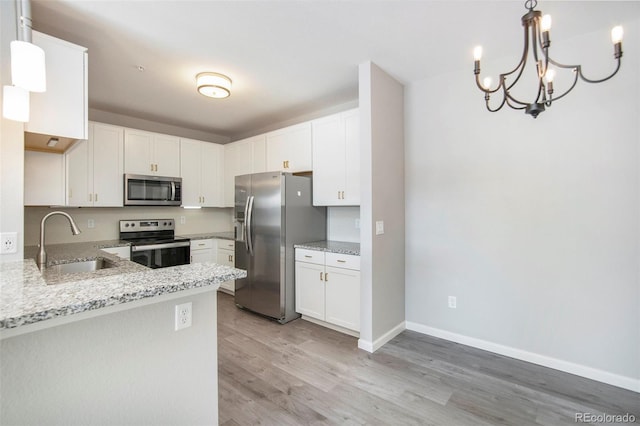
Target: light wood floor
300 373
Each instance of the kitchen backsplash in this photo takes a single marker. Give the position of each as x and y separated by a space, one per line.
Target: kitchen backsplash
106 222
341 222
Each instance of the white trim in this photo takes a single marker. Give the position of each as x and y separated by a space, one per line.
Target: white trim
382 340
331 326
546 361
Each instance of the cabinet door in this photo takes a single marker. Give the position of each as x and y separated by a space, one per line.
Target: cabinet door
63 109
238 160
351 120
191 172
212 161
343 297
107 144
289 149
43 179
329 161
259 151
166 155
226 257
310 290
79 186
199 256
137 152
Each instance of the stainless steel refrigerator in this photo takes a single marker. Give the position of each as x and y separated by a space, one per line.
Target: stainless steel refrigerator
273 211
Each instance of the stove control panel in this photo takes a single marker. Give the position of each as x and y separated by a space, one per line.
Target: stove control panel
147 225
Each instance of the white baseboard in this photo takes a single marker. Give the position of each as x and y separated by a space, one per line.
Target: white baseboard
546 361
380 342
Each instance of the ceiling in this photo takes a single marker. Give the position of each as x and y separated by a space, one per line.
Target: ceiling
286 58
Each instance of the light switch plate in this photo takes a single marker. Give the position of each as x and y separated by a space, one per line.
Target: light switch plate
379 227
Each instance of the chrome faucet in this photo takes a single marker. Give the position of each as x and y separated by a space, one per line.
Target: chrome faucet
42 254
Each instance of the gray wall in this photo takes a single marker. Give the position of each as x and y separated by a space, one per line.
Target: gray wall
532 224
125 368
382 199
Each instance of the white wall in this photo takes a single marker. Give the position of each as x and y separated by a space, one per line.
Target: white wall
124 368
11 142
382 199
532 224
106 222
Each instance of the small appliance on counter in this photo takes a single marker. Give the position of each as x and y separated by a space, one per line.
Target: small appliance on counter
142 190
273 211
154 244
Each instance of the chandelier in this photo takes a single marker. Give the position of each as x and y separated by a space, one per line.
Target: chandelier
536 37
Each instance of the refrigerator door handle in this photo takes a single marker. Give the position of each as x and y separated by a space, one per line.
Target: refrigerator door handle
249 223
245 232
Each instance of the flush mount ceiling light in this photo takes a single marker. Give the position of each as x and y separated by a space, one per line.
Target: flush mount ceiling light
213 85
536 36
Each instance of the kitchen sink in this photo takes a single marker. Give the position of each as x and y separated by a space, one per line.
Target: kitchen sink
82 266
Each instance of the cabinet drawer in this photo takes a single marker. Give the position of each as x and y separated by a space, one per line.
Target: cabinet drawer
226 244
310 256
201 244
346 261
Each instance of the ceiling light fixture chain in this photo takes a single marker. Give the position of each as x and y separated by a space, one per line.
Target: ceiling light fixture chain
536 37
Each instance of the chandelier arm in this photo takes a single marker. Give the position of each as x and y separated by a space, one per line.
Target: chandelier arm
521 66
600 80
512 106
496 109
481 87
575 81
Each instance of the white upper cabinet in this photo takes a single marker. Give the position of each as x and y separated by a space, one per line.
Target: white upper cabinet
95 168
289 149
241 158
43 179
202 173
62 109
147 153
336 159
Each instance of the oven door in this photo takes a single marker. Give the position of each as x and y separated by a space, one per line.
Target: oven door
161 255
141 190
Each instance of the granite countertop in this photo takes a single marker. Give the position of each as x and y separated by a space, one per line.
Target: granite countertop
225 235
340 247
28 296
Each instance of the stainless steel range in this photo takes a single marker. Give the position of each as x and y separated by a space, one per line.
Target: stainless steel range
154 244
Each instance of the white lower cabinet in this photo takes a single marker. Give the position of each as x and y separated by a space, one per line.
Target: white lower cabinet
203 251
226 256
328 288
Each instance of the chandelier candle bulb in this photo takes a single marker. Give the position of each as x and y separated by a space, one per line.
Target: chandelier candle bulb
486 83
477 55
545 25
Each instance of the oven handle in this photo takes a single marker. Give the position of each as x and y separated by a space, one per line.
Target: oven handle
159 246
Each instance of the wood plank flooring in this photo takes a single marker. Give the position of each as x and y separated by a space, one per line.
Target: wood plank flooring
304 374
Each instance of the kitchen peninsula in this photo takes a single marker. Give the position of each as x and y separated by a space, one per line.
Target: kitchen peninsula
102 347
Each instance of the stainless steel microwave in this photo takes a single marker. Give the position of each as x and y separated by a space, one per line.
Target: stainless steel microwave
142 190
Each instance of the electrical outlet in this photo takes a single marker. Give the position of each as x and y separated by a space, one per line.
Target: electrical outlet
183 220
183 316
379 227
8 242
91 223
452 302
